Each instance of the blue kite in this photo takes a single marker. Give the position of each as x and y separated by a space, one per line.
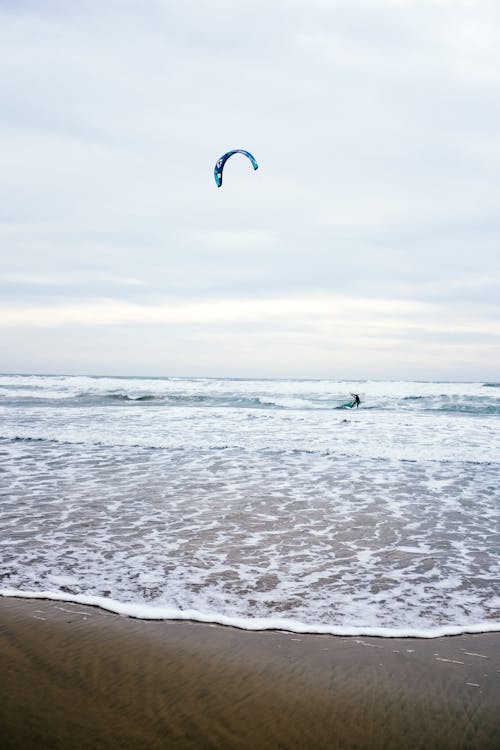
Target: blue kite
218 169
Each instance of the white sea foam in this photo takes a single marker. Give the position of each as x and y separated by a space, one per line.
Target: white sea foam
144 612
280 513
373 434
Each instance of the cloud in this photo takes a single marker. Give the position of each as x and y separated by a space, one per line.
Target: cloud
320 316
376 128
226 238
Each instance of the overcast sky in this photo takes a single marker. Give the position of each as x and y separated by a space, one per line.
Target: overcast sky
365 246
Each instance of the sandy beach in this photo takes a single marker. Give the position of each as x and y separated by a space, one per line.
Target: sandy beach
79 677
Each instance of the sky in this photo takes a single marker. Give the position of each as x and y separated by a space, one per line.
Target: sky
366 245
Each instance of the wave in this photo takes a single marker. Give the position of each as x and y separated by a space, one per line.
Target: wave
126 397
478 409
290 395
113 398
444 404
123 445
149 612
263 451
266 450
452 405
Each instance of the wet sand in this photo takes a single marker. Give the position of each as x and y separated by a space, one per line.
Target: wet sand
78 677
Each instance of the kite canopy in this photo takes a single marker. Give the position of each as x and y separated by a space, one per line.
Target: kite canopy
219 167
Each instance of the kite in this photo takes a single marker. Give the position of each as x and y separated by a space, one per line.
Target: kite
218 169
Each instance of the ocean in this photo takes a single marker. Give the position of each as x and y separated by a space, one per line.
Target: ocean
255 503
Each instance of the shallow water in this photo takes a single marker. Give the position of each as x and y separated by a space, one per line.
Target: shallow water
259 503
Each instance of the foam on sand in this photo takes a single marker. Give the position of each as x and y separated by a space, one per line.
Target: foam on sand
144 612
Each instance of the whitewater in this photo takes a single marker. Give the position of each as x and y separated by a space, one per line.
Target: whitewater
255 503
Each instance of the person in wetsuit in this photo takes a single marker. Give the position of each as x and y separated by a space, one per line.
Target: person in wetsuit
356 401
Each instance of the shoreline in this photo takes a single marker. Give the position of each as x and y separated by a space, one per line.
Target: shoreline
78 676
258 625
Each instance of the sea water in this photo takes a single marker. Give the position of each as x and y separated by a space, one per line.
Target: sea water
256 503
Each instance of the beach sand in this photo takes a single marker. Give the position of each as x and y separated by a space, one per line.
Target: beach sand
77 677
